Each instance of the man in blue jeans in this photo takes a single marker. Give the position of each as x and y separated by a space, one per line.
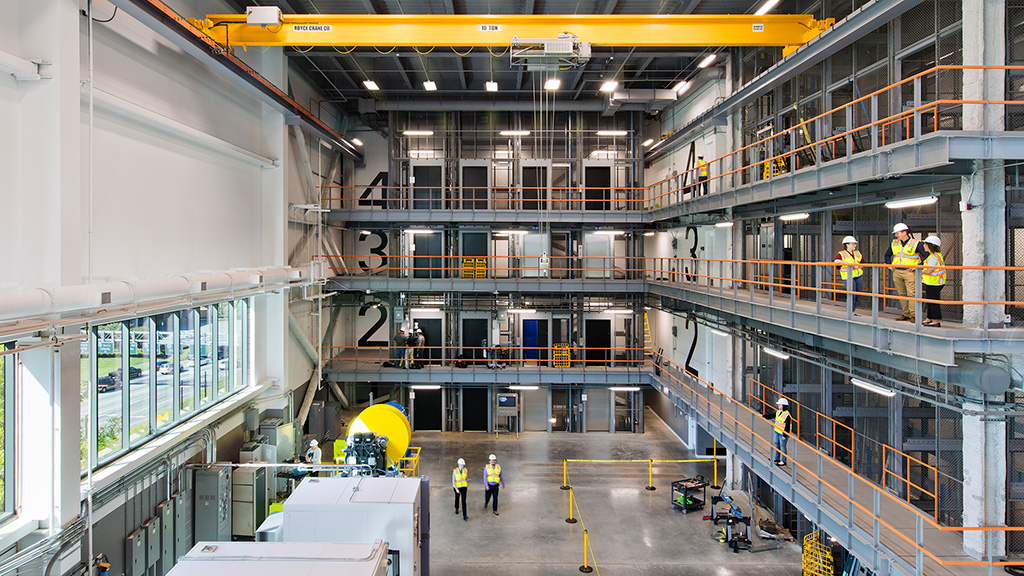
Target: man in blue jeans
492 478
780 424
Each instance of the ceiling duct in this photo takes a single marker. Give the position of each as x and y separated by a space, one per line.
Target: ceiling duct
652 100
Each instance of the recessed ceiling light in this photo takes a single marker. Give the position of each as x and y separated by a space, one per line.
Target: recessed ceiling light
553 84
682 85
707 61
648 142
514 132
766 7
492 86
418 133
612 132
429 85
370 85
609 86
357 141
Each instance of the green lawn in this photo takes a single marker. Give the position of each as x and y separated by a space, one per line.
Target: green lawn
107 364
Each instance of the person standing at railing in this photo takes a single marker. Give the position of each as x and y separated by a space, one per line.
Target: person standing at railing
398 352
781 420
702 176
933 278
904 253
410 350
421 342
851 274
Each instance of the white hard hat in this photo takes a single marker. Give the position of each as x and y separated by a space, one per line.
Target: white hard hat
461 462
934 241
849 240
783 402
492 457
312 443
900 226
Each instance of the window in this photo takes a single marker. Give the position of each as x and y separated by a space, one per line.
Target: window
8 362
239 350
85 380
223 349
165 327
205 367
109 389
186 361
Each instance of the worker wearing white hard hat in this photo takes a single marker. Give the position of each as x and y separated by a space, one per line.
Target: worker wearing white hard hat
460 483
851 274
314 455
933 278
492 479
780 429
905 253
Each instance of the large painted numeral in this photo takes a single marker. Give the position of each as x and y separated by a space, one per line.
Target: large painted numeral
377 251
693 346
365 339
382 180
693 254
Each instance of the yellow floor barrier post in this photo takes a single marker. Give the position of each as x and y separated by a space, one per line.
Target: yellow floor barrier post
570 519
650 476
565 475
716 486
586 568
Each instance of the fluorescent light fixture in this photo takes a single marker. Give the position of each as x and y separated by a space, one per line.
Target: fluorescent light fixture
425 386
625 388
421 153
370 85
873 388
425 310
612 132
364 232
604 154
357 141
707 61
560 165
680 86
433 302
429 85
521 311
617 311
513 232
553 84
648 142
609 232
499 234
609 86
649 233
514 132
419 231
718 332
647 307
492 86
910 202
776 353
723 224
766 7
523 387
502 153
791 217
418 133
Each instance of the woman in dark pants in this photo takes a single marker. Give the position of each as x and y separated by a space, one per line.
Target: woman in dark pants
933 278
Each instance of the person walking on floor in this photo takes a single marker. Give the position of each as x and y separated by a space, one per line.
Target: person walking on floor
702 176
460 483
492 478
904 253
933 278
851 274
781 425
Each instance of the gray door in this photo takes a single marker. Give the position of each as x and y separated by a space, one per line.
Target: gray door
426 191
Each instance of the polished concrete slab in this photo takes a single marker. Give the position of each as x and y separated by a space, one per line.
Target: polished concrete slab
632 531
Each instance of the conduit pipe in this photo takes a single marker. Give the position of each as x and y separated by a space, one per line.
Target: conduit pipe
984 378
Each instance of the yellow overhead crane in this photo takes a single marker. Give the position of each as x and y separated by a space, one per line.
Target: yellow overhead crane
387 30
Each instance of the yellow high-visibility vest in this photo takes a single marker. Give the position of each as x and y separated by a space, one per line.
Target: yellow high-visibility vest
460 478
493 473
935 272
905 255
854 258
780 421
703 167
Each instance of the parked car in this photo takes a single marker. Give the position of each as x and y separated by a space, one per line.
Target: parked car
105 383
165 367
133 372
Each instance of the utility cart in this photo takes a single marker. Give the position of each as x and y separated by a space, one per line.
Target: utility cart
689 493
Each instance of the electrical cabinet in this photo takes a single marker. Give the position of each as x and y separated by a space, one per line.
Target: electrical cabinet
182 523
213 503
165 512
152 528
280 434
135 553
249 501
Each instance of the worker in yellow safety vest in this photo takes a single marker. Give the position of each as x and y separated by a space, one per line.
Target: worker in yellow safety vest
780 430
492 478
904 254
460 484
702 175
851 274
933 278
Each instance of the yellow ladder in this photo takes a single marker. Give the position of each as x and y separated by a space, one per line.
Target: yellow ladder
648 345
817 557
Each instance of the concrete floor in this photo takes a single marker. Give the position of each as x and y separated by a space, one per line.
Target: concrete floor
632 531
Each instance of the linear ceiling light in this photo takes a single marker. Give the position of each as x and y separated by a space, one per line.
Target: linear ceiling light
370 85
514 132
425 386
609 86
872 387
648 142
425 310
421 153
609 232
612 132
364 232
625 388
649 233
791 217
776 353
724 224
419 231
523 387
429 85
766 7
604 154
707 61
492 86
433 302
617 311
910 202
560 165
521 311
513 232
682 85
417 132
718 332
553 84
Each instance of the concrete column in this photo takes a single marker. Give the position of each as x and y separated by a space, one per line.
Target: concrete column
984 483
985 224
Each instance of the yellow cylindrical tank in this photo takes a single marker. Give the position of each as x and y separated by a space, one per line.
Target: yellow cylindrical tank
388 421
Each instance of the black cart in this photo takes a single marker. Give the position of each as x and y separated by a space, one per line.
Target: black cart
689 494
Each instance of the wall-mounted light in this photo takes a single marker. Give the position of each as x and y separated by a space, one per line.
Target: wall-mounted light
514 132
417 132
792 217
625 388
648 142
609 232
604 154
425 310
724 224
612 132
364 232
513 232
911 202
425 386
707 61
617 311
560 165
357 141
776 353
421 153
649 234
523 387
419 231
872 387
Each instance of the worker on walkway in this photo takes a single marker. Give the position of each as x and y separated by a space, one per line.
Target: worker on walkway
314 455
904 253
933 278
492 478
398 352
460 483
702 175
781 424
851 274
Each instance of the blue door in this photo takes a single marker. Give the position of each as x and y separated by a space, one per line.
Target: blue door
530 339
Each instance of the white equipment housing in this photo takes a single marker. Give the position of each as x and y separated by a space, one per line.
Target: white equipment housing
280 558
263 16
549 54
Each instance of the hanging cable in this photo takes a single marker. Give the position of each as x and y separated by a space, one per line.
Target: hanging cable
460 53
388 52
304 51
498 55
424 53
340 52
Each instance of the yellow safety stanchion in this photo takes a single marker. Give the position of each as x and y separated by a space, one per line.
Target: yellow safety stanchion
586 568
570 519
565 475
715 485
650 476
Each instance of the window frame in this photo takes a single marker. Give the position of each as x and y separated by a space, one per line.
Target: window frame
11 489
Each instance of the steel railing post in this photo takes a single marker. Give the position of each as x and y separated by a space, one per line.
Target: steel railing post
874 295
917 300
872 119
818 273
917 108
849 131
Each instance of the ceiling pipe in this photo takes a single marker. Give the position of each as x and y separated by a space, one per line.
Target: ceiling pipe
650 99
984 378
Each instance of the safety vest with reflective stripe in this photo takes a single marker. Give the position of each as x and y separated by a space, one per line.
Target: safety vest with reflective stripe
905 255
934 273
459 475
854 258
780 421
493 473
703 167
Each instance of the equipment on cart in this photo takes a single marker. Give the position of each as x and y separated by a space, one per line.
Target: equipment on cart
689 494
734 532
378 438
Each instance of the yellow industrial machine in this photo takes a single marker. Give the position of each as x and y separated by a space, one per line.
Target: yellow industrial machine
379 438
